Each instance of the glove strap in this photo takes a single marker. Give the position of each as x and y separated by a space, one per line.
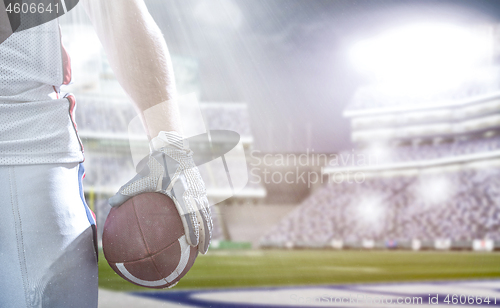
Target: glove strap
169 139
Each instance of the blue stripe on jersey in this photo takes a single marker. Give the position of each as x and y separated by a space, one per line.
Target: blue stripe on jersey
81 172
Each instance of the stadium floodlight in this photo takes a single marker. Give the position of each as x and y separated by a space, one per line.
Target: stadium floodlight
420 56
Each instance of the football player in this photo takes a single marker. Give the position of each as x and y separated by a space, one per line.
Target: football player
47 232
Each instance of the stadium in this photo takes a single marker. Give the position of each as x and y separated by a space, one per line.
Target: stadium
430 180
406 211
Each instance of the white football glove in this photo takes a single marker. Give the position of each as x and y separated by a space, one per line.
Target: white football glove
169 169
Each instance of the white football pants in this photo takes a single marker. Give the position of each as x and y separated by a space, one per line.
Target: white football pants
47 254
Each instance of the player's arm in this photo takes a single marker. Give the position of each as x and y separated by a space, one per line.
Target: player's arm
139 57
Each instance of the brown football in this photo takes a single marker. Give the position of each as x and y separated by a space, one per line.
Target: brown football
144 242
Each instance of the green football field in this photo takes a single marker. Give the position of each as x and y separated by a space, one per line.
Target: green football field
254 268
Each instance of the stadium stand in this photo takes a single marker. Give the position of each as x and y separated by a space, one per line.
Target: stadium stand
397 208
429 151
430 166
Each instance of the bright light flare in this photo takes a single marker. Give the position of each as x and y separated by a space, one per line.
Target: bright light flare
435 190
379 151
422 55
84 47
370 209
82 44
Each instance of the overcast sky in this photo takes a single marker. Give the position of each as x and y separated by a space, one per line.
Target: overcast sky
288 59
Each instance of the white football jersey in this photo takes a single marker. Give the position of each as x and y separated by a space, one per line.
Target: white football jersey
36 121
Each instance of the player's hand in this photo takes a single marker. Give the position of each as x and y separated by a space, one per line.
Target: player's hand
170 170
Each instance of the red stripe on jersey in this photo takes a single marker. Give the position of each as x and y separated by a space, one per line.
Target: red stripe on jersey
66 60
66 66
72 105
55 90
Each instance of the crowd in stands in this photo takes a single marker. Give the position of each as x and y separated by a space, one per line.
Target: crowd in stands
427 151
460 205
